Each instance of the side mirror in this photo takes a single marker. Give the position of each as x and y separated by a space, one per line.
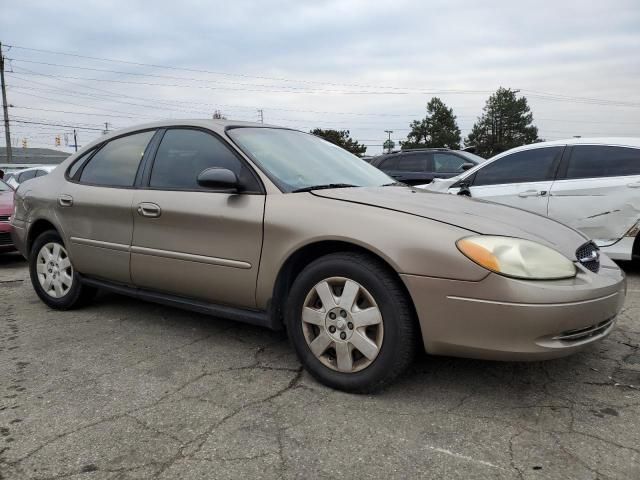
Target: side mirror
218 179
465 189
467 165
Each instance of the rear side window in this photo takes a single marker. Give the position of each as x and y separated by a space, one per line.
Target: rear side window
592 161
184 153
447 163
535 165
116 163
26 176
41 173
413 162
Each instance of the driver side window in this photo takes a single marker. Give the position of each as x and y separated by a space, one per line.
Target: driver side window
535 165
184 153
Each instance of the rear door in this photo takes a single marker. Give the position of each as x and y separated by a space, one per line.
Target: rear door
521 179
598 191
94 207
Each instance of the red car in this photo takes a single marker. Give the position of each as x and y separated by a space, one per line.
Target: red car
6 209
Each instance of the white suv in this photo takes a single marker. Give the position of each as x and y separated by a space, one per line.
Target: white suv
591 184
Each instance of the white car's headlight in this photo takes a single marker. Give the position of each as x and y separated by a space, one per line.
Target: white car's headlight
515 257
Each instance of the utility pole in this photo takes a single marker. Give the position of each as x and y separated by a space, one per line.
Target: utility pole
389 143
260 115
106 128
5 109
75 140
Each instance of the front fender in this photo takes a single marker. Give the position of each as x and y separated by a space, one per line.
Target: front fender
409 244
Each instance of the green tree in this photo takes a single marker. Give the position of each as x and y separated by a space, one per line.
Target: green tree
341 138
437 130
506 122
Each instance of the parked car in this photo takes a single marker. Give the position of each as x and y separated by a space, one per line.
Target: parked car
421 166
6 209
591 184
277 227
28 173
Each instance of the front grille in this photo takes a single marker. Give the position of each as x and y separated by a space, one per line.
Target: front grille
4 218
589 256
581 334
5 239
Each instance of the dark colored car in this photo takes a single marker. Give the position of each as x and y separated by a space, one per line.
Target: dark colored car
6 209
419 166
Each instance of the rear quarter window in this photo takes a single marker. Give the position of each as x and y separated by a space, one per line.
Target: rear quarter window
388 164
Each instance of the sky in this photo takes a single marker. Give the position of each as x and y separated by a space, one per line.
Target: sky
362 66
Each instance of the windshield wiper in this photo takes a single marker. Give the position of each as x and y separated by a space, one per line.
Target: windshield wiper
323 187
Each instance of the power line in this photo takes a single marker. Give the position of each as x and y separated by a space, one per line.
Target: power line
195 70
56 125
541 95
377 114
338 92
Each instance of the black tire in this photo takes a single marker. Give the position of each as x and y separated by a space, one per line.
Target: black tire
77 295
401 332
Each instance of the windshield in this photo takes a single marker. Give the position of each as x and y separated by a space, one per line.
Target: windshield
4 187
474 158
296 160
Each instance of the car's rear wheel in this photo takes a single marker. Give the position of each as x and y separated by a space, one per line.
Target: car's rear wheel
52 274
351 323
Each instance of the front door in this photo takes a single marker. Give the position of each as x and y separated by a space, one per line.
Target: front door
94 207
521 179
192 241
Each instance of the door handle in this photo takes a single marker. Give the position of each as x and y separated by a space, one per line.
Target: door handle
633 185
531 193
65 200
150 210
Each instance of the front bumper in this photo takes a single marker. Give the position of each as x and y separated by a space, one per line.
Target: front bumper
500 318
6 239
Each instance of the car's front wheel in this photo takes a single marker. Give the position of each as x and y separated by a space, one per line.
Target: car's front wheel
52 274
351 323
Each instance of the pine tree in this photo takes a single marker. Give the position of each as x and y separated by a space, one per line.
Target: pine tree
437 130
506 122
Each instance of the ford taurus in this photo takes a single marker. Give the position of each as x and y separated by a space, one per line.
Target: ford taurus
278 228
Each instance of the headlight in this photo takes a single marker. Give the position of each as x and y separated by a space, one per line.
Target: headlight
515 257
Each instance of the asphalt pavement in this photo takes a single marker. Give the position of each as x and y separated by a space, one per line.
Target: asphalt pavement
125 389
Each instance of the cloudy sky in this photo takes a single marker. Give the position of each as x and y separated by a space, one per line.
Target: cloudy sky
365 66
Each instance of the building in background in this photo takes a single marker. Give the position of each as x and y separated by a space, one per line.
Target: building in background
30 157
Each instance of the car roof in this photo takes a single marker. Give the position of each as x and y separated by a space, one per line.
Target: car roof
619 141
382 156
218 126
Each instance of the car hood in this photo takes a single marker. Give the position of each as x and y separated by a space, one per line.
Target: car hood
477 216
440 184
6 203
